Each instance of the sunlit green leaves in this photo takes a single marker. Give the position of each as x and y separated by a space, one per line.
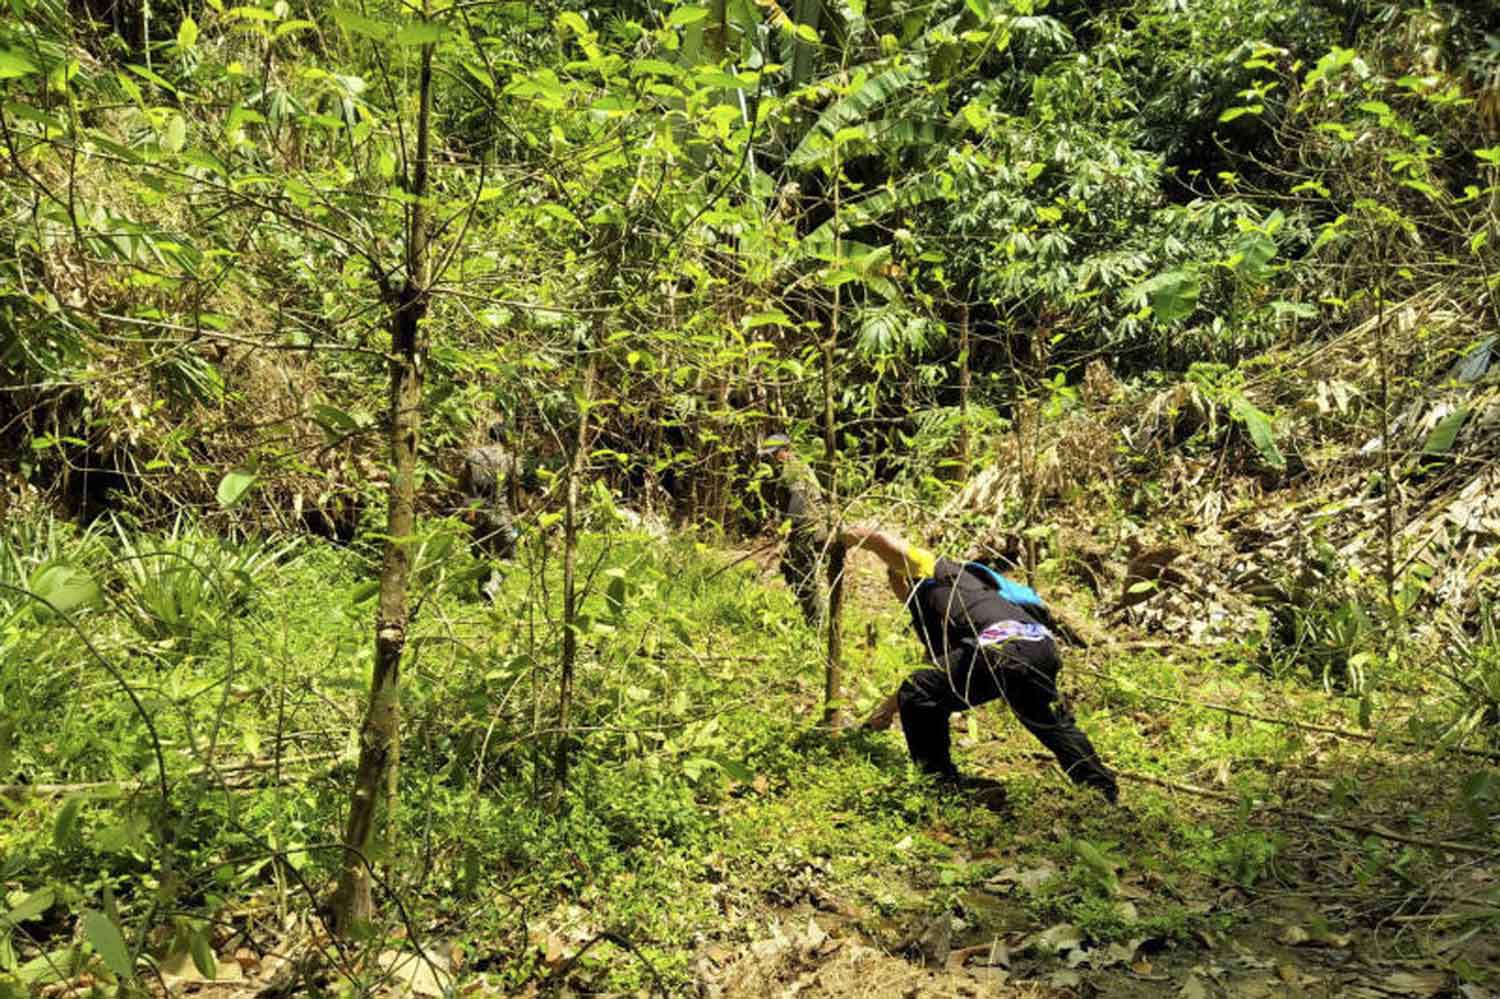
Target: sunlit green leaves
1262 434
233 486
64 587
105 937
419 33
687 14
357 24
14 64
187 33
1172 295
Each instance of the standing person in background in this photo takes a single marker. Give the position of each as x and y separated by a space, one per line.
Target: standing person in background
489 484
981 646
798 501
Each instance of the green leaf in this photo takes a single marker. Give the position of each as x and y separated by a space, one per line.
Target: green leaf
574 22
282 30
852 109
106 938
64 587
1262 435
175 135
187 33
14 64
65 826
1096 861
1255 251
30 907
687 14
232 487
735 769
420 33
1443 436
248 13
1172 295
152 76
773 318
1233 113
203 954
358 24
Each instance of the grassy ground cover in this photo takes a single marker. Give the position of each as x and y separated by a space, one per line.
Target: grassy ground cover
706 809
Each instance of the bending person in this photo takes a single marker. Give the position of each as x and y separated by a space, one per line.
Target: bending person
981 647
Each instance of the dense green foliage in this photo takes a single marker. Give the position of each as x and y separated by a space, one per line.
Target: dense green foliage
658 231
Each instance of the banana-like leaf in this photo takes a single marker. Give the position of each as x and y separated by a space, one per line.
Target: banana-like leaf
819 242
851 109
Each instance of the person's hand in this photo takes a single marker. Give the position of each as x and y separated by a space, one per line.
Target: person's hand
885 713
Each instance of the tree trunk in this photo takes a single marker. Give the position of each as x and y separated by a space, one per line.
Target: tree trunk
570 585
833 675
380 734
963 392
1387 470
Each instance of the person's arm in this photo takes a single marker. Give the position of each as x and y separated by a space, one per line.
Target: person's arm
888 546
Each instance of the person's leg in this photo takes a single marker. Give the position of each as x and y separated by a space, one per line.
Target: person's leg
930 696
799 567
1028 679
924 702
494 542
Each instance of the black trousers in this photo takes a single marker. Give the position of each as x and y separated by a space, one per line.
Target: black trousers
802 568
1025 674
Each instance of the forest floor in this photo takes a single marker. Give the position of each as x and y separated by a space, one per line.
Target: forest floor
1269 841
1294 857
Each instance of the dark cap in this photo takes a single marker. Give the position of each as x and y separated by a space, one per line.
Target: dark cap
775 442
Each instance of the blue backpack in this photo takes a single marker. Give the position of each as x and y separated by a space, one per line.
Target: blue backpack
1017 593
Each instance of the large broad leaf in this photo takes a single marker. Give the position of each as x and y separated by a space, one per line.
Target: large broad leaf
1441 440
818 244
358 24
419 33
1262 435
14 64
852 108
233 485
64 587
106 938
30 907
1255 251
1172 295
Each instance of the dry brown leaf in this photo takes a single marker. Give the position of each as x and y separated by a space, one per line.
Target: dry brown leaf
1193 988
1056 939
1422 982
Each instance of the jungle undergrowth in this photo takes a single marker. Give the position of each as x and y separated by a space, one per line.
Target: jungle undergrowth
706 796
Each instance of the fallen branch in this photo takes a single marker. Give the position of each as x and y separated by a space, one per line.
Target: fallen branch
1344 733
19 792
1296 813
